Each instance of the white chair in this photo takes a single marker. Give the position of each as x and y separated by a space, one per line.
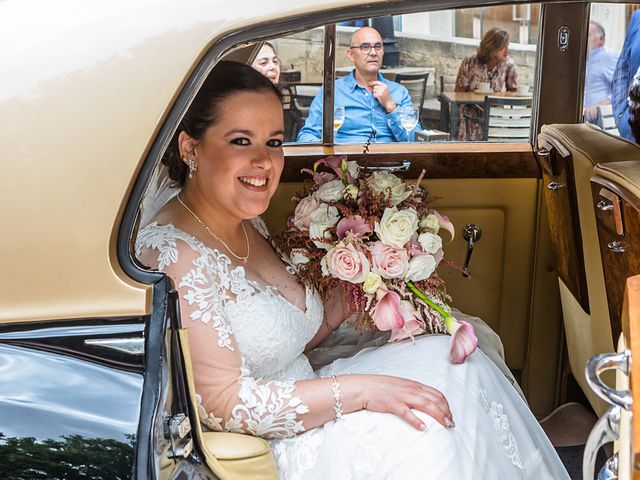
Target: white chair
507 119
605 119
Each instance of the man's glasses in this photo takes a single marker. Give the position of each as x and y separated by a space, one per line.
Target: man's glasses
366 47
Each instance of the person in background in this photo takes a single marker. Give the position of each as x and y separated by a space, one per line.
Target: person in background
491 64
628 63
268 63
370 101
599 72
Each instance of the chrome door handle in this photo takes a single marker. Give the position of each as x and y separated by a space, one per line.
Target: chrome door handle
617 246
610 469
606 429
555 186
402 167
607 361
604 205
471 234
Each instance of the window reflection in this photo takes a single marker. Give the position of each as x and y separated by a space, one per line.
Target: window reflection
417 65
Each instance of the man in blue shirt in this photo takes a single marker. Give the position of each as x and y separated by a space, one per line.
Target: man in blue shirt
370 101
627 65
599 72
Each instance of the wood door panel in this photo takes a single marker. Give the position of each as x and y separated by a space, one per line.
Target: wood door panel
617 265
560 198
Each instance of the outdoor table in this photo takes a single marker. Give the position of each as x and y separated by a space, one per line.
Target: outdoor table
451 102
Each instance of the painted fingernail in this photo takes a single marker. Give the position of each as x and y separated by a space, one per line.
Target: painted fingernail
422 426
449 423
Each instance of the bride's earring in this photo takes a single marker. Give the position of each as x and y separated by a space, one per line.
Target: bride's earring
191 163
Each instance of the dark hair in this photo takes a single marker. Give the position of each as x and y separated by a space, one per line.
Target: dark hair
225 79
492 41
634 107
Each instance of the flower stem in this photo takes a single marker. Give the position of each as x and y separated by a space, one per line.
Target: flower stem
429 302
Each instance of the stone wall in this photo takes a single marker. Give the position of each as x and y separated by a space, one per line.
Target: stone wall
304 52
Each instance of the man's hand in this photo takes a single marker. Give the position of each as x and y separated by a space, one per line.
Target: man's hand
381 93
591 113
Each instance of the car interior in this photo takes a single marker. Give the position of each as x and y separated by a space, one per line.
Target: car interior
556 199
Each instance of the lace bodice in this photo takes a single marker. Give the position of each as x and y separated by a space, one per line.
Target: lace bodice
251 326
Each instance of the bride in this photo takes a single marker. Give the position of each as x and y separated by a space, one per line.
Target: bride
399 411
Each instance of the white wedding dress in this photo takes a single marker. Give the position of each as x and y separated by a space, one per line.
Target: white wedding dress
259 336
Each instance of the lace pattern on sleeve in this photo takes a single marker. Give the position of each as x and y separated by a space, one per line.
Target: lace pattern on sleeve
267 409
209 297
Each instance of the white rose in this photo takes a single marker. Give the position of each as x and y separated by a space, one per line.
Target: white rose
430 223
430 242
420 268
353 169
321 219
331 191
381 182
372 281
304 209
299 256
396 227
351 191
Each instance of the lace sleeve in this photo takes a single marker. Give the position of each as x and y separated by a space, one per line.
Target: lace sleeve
229 397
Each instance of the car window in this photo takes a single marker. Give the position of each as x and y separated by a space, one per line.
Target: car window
612 58
432 86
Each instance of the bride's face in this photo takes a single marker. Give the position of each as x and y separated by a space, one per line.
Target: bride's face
240 157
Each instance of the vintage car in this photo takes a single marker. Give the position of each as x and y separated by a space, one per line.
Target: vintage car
95 375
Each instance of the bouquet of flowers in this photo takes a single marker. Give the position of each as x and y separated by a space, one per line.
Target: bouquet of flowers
379 239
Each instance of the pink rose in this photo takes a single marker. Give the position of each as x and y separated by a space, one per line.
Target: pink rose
389 262
303 211
387 314
355 223
463 339
412 326
345 262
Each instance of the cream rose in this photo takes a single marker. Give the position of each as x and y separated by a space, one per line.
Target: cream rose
320 220
430 223
351 192
353 169
381 182
303 211
372 281
396 227
389 262
345 262
331 191
420 268
430 242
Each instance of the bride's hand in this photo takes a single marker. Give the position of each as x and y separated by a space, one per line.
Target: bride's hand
396 395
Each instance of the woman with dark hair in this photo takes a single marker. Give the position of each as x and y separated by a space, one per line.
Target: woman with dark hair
250 321
490 65
268 63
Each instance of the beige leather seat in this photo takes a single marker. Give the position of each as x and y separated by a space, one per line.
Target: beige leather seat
231 456
567 172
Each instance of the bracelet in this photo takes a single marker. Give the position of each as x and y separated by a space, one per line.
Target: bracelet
335 391
331 329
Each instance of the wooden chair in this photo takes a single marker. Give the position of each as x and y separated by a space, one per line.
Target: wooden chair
506 119
605 119
302 94
417 86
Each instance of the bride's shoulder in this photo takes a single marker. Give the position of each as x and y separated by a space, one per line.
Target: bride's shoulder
160 245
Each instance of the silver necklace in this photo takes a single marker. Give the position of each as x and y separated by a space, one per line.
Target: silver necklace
208 230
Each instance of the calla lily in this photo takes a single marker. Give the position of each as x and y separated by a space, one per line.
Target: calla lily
387 314
445 224
463 339
337 163
411 327
354 223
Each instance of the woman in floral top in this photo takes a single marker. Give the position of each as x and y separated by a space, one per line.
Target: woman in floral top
491 64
